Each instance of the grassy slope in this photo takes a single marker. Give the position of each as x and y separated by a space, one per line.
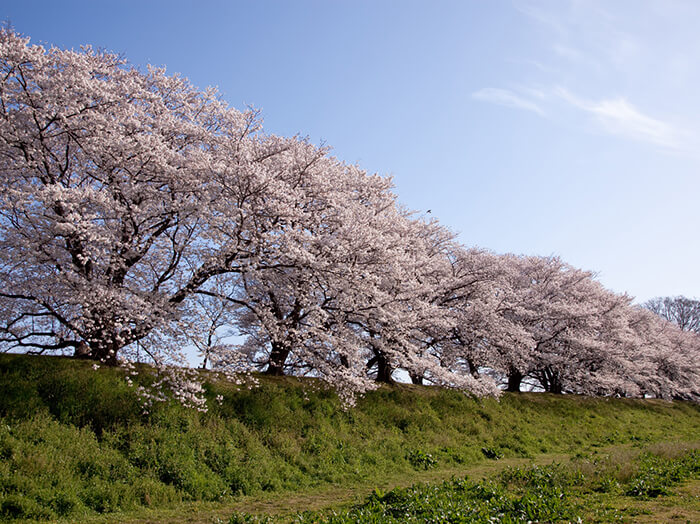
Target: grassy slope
74 441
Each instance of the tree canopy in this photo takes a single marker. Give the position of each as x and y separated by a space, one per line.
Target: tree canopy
141 213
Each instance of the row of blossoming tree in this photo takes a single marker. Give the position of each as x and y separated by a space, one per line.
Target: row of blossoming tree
139 214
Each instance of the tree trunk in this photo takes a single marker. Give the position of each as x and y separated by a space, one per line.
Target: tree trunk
473 368
82 350
416 378
556 388
551 381
515 379
278 357
384 370
102 351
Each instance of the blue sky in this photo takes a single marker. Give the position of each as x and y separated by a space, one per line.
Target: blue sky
541 127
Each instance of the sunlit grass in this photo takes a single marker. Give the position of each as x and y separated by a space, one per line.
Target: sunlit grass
557 492
75 444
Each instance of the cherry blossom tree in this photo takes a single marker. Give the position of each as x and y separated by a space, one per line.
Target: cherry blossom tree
571 320
358 311
294 313
666 359
126 196
416 317
112 215
484 333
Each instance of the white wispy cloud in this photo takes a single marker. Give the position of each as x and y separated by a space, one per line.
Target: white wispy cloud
593 46
505 97
586 35
544 17
615 116
618 116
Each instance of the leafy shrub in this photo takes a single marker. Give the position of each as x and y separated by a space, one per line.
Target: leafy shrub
421 460
245 518
492 453
657 475
649 486
607 484
541 477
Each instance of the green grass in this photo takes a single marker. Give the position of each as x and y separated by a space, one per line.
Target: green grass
541 496
74 442
537 493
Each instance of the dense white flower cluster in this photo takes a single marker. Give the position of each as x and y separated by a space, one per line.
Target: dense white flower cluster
139 214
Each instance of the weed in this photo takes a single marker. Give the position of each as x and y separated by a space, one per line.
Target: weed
657 475
421 460
491 453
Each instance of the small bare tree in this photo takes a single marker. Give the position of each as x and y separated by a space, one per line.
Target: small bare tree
682 311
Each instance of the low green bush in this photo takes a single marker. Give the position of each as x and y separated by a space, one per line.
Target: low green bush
657 475
421 460
492 453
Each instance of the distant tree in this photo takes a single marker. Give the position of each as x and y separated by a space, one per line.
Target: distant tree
665 359
207 324
682 311
573 327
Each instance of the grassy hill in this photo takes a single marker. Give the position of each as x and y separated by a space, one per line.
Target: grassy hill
75 442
